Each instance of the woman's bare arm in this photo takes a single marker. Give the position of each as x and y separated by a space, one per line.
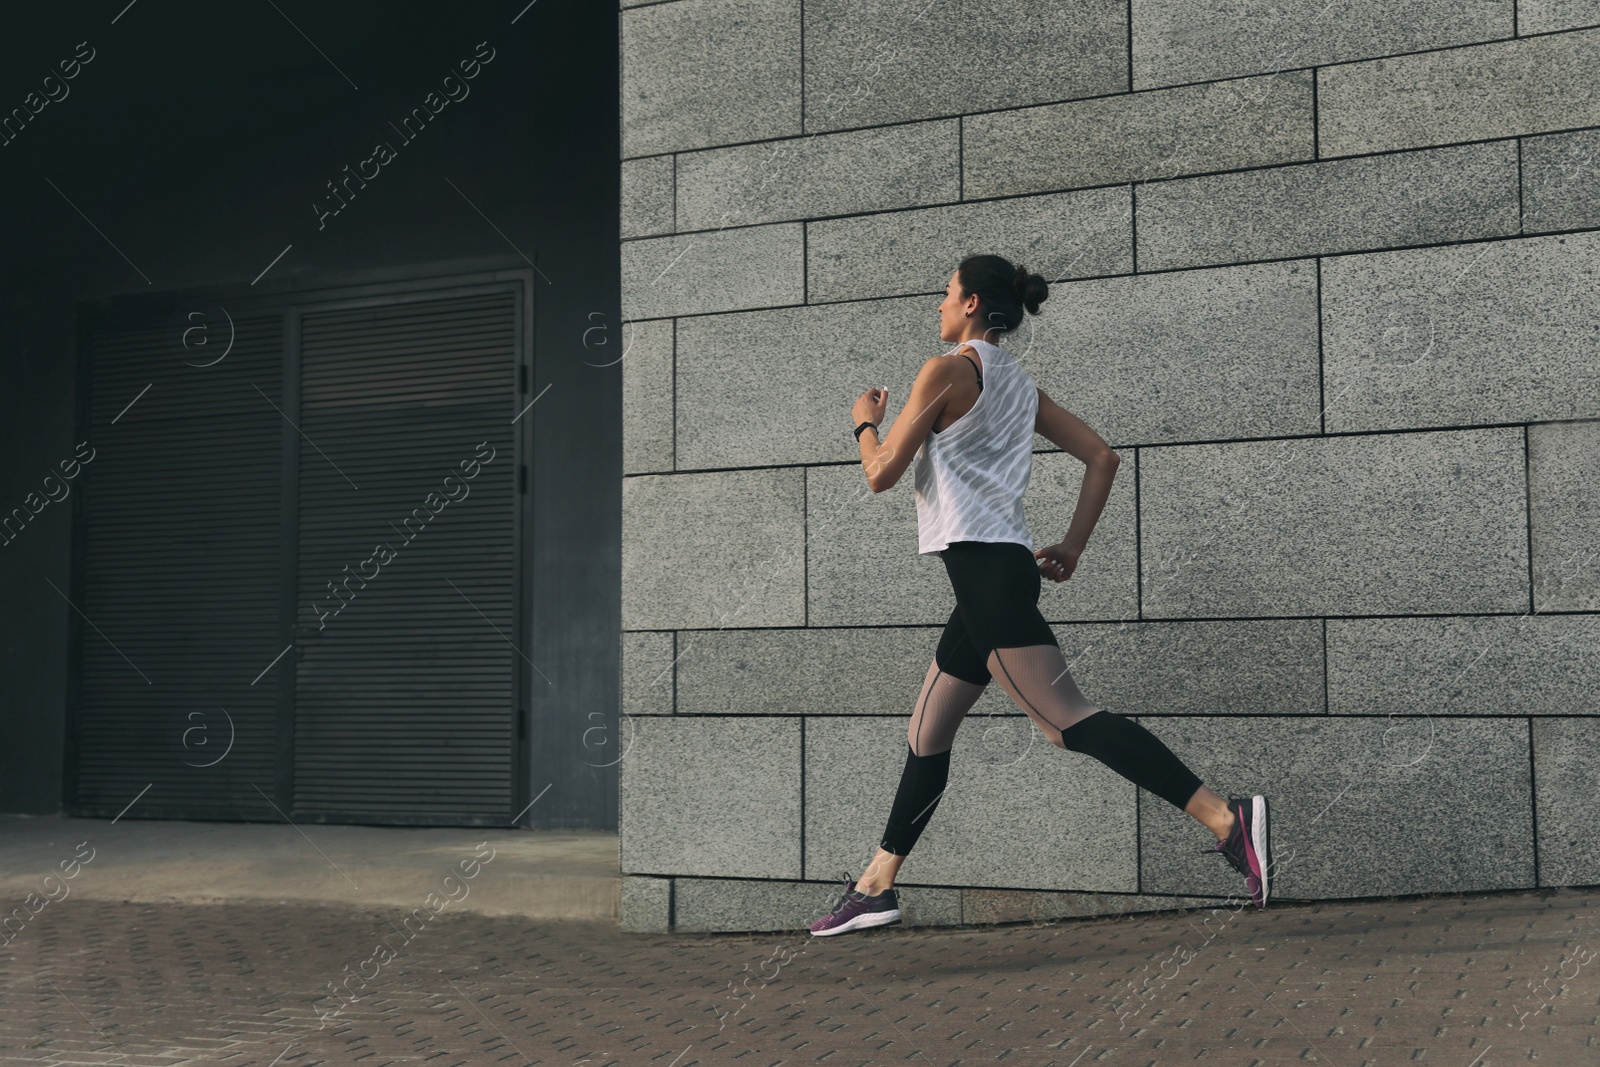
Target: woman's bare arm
911 426
1071 434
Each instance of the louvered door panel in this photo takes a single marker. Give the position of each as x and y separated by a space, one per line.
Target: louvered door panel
180 582
404 693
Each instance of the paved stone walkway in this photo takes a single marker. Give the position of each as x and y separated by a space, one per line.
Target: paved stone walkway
1483 980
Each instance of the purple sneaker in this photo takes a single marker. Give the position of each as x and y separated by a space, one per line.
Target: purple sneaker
1248 846
857 911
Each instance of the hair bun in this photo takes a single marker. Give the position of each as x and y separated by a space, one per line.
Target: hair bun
1031 289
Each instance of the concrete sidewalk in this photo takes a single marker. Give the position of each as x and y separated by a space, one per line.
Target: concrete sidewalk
538 874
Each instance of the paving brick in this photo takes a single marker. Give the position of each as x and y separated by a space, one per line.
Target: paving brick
1429 980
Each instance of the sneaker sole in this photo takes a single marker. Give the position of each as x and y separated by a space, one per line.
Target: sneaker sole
861 922
1261 841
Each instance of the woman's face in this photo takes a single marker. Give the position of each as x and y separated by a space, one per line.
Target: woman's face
952 311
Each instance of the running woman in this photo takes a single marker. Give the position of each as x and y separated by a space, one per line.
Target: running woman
971 419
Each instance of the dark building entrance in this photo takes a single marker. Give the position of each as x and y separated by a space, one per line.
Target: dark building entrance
366 565
300 533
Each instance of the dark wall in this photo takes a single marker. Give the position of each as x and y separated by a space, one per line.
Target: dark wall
193 147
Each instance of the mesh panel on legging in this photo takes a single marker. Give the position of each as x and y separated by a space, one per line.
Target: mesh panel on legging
942 704
1036 678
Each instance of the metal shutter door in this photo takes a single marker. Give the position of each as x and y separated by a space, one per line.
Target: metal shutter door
176 613
404 692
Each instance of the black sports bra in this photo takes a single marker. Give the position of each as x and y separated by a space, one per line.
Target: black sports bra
975 367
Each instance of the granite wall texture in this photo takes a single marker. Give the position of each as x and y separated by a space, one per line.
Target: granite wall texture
1326 276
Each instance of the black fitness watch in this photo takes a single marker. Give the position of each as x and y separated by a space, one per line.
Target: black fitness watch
863 426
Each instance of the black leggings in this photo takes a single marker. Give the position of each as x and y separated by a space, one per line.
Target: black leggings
997 632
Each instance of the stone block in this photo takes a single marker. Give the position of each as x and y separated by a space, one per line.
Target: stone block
1561 181
1527 664
647 192
1224 352
1374 524
880 61
1564 513
815 176
1034 817
1137 137
1021 905
1547 16
716 549
1500 89
645 904
723 905
815 671
1360 806
794 373
1483 333
699 273
1568 804
865 544
646 364
1231 667
1344 205
1207 39
706 72
711 796
1063 235
647 673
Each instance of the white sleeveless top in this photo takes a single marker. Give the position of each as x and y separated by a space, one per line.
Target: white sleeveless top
970 476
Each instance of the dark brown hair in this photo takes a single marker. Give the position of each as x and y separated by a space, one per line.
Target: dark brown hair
1003 289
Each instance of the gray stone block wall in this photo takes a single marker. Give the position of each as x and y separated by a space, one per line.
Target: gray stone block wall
1328 279
1545 16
